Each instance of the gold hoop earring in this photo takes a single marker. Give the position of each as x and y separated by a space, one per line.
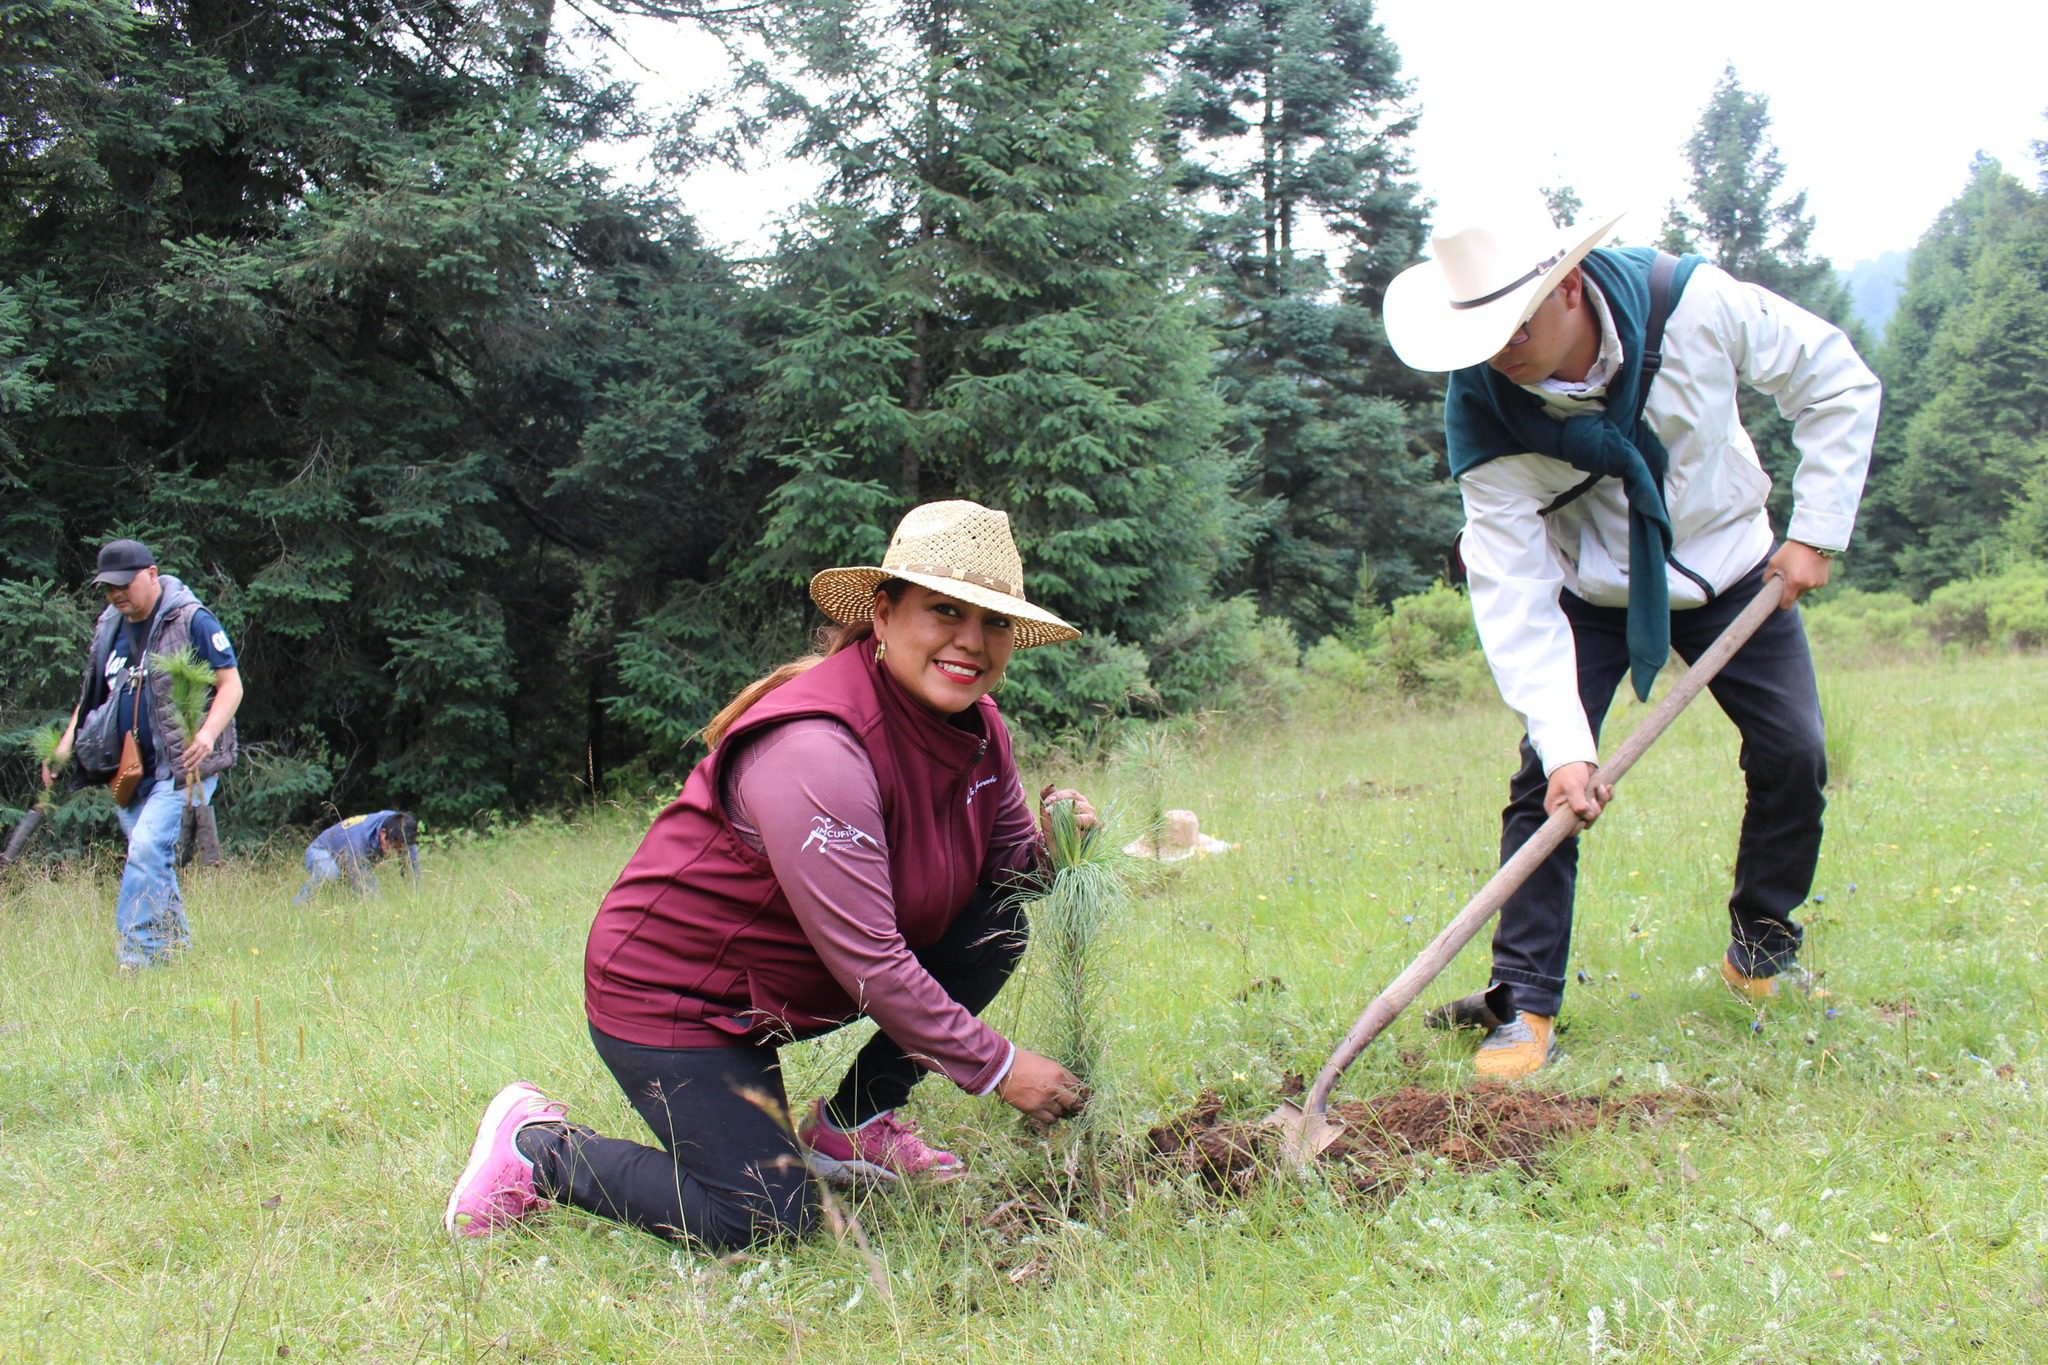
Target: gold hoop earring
1001 682
881 650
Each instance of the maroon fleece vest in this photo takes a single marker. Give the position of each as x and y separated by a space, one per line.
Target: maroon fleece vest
696 945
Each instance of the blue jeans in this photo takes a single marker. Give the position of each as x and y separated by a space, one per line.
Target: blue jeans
149 914
1768 690
323 867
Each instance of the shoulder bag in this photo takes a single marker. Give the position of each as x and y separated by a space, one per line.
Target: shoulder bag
128 775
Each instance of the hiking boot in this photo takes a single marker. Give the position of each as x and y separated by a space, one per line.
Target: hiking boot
1521 1047
1793 980
1487 1009
884 1149
496 1188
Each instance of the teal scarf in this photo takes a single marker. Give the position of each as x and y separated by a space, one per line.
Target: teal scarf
1487 416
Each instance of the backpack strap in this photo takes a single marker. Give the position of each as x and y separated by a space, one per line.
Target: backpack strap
1662 271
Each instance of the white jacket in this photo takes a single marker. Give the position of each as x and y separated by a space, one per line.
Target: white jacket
1720 332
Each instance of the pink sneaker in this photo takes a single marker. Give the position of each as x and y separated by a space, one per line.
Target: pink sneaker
496 1188
885 1148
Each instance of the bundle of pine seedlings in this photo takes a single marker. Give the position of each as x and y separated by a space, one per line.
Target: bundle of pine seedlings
42 746
191 692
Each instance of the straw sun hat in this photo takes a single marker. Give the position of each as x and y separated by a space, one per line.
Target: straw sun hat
958 548
1487 277
1178 837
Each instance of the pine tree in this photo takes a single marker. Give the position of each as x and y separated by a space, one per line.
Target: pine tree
1738 213
1962 456
332 312
1286 124
1739 216
990 301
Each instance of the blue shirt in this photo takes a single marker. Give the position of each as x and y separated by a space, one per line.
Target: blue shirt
209 642
353 840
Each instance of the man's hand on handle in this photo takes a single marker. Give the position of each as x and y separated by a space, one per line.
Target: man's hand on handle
1571 787
1804 569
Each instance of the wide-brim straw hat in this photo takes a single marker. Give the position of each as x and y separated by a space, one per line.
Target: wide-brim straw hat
1179 836
1486 277
959 548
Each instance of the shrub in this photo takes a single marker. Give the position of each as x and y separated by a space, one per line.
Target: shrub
1225 657
1850 618
1961 612
1428 645
1423 646
1083 690
2008 608
2019 608
1335 661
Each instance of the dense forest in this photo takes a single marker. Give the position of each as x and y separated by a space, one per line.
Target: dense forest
503 481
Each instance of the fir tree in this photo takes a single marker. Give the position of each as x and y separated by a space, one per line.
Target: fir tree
1287 129
1739 216
332 312
991 301
1962 456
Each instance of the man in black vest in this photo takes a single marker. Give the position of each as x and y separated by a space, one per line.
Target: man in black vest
150 613
1580 461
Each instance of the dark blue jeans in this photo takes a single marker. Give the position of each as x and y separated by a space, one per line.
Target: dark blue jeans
1768 690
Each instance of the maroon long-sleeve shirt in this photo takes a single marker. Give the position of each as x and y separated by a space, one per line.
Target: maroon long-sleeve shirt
792 781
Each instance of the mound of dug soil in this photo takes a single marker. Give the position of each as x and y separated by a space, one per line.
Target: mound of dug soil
1471 1129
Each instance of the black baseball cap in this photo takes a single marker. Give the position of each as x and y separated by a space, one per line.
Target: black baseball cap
120 561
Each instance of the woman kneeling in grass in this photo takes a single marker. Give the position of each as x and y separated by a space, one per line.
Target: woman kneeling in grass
851 845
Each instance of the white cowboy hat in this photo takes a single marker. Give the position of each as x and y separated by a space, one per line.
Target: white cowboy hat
1460 307
959 548
1178 836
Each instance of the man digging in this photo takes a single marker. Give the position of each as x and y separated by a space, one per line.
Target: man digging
1579 463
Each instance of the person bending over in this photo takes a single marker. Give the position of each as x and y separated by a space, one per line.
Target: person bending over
1615 511
346 849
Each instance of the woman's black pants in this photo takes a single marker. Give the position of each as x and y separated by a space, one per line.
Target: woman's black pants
728 1172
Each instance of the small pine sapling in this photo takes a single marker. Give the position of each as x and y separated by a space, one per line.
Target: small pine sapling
191 683
1089 888
1070 923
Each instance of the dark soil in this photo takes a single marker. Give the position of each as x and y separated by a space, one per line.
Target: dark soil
1385 1141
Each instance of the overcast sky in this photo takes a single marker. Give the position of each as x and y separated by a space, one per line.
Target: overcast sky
1876 107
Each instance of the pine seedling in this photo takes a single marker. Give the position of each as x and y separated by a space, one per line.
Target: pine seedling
42 745
42 742
191 680
1090 889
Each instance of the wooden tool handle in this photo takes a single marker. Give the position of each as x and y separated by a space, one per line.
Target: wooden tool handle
1561 825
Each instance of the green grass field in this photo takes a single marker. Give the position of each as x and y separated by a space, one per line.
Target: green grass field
245 1156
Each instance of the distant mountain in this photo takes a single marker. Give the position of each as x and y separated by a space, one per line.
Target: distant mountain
1874 288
